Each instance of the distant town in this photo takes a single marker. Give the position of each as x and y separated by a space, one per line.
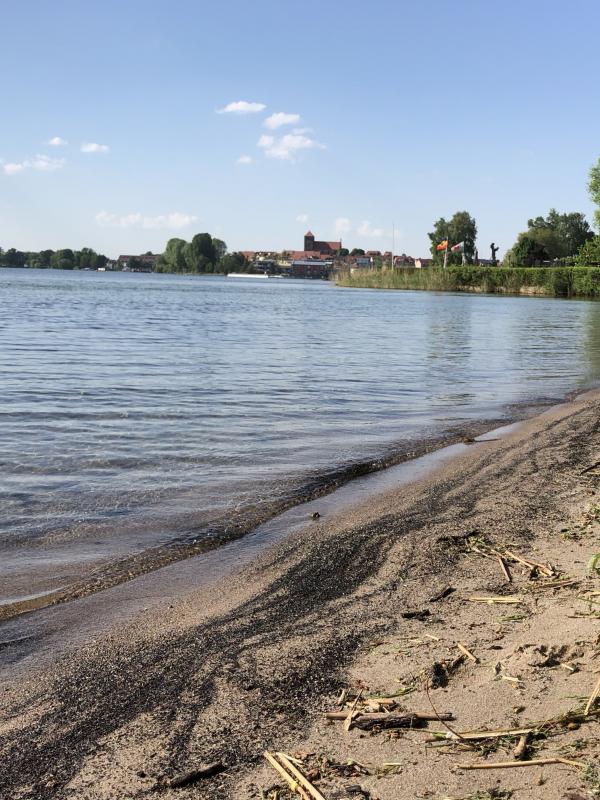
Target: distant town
317 259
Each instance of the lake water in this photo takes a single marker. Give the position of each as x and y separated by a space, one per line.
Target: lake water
141 410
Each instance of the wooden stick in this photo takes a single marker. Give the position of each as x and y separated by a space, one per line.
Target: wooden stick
437 638
478 599
593 697
304 782
543 568
468 653
476 735
533 762
447 715
293 784
504 568
350 714
554 584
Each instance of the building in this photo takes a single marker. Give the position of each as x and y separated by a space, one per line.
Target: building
143 263
423 263
311 268
323 248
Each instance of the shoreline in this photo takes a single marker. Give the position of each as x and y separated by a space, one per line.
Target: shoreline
580 282
251 662
114 572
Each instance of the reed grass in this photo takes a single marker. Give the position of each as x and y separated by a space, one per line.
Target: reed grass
548 281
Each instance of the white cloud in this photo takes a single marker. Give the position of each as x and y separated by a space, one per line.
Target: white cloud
45 163
366 229
281 118
94 147
57 141
40 163
341 226
286 147
302 218
13 169
242 107
172 221
245 160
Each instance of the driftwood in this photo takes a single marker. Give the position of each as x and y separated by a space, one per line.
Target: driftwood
533 762
186 778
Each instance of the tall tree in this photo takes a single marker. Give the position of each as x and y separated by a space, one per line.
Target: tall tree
594 190
571 231
462 228
174 255
220 248
200 253
63 259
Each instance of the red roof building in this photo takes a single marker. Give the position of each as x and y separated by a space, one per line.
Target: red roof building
324 248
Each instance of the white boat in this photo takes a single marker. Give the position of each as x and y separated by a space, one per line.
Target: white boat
245 275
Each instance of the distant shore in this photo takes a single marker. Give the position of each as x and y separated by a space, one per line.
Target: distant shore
545 281
250 663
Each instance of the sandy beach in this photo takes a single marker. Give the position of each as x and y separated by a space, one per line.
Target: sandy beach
372 603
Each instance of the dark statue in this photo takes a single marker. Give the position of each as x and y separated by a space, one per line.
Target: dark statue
494 250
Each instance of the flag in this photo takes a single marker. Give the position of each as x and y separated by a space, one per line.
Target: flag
458 248
442 245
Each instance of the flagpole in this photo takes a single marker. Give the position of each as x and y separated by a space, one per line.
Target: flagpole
446 252
393 241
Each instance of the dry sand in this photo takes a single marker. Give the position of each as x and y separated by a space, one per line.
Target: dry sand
252 663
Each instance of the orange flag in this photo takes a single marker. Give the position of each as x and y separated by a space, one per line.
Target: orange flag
442 245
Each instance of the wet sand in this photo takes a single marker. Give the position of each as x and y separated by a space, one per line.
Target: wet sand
250 663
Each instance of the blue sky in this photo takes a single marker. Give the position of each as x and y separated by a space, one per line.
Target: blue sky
399 113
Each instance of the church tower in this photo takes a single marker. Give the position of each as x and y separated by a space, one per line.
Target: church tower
309 241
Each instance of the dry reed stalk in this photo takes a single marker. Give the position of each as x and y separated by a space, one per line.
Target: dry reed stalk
533 762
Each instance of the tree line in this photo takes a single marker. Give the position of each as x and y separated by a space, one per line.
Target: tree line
555 238
86 258
204 253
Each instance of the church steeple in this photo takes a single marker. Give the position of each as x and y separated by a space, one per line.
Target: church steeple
309 240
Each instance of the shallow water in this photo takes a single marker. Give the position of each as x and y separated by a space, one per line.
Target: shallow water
136 410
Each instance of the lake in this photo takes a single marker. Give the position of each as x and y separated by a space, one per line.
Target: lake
144 412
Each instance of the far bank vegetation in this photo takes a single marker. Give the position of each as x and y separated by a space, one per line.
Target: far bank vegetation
557 255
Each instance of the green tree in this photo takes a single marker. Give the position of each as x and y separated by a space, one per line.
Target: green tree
594 190
134 263
233 262
571 231
342 252
14 258
200 253
358 251
589 255
174 255
461 228
85 258
63 259
527 251
220 248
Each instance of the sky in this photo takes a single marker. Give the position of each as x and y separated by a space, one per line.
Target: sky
128 122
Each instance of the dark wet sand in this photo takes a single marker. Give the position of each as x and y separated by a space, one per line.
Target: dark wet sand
245 664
